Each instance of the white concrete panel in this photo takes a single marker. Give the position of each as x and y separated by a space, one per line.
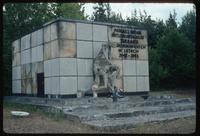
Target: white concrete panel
142 83
67 30
119 64
25 42
68 66
37 38
28 86
142 67
96 48
16 59
54 49
37 54
16 46
100 33
85 83
47 51
47 68
47 33
16 72
26 56
129 67
54 32
85 66
68 85
84 49
55 67
84 31
55 85
16 86
47 85
130 84
67 48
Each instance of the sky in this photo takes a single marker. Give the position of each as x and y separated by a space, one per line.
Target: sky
156 10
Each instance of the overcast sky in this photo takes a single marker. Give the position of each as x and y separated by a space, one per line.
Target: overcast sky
156 10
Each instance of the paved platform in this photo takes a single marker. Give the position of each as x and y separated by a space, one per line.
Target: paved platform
104 114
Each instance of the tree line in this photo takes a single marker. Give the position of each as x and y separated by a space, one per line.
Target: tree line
171 45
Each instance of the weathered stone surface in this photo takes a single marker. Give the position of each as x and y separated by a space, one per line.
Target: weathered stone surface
68 85
34 85
16 61
54 49
67 30
47 51
129 67
47 85
142 67
37 67
16 46
25 42
54 31
119 83
67 48
110 37
142 83
130 84
84 31
55 85
28 85
37 54
68 66
47 33
100 33
37 38
16 72
115 53
96 48
85 66
47 68
16 86
119 64
84 49
26 56
143 54
85 83
55 67
26 71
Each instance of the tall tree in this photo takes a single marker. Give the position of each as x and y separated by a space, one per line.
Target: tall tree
100 12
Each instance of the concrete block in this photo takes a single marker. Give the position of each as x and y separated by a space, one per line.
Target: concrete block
96 48
16 86
25 42
67 48
100 33
67 30
142 67
84 31
142 83
55 85
130 84
26 56
16 46
115 53
54 49
26 71
143 54
16 59
47 51
37 54
119 64
85 66
111 37
23 71
23 86
47 68
34 85
55 67
84 49
85 83
68 66
68 85
37 67
37 38
47 33
54 31
16 72
119 83
129 67
47 85
28 86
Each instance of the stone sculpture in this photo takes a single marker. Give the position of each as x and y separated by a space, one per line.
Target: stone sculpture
105 72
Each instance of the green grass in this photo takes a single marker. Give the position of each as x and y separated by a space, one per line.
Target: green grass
33 109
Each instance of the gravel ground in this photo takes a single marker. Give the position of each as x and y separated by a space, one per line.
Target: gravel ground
39 122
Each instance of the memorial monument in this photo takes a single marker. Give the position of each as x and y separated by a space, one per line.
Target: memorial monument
65 57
